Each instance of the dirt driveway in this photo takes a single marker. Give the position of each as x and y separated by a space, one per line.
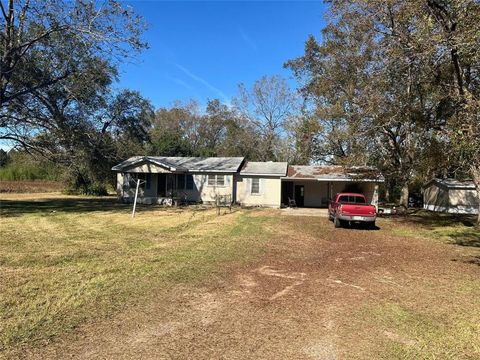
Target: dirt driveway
305 212
316 293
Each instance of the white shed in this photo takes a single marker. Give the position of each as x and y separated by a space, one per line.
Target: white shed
450 195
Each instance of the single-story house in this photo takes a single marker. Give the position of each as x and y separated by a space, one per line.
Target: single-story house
450 195
247 183
191 178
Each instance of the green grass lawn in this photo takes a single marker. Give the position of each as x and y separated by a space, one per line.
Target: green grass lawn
66 261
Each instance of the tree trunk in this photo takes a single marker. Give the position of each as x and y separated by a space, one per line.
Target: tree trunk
475 170
404 196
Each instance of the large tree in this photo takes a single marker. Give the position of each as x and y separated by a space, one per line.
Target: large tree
54 46
268 106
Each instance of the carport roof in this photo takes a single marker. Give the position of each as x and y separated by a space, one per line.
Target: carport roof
334 173
190 164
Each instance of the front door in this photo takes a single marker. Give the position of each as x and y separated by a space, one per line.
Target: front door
299 195
287 192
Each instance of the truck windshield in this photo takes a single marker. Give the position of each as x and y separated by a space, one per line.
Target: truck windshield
350 199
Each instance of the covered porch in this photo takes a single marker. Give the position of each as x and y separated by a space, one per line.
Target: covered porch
160 188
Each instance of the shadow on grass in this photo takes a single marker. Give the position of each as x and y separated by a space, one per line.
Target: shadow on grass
432 219
466 237
459 228
10 208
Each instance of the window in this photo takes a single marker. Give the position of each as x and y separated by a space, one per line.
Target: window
255 186
218 180
211 180
351 200
185 182
189 182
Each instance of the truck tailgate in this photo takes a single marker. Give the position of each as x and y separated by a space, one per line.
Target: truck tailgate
364 210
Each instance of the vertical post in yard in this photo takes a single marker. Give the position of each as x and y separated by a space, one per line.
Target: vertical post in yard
135 200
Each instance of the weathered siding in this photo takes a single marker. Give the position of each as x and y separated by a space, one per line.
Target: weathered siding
269 195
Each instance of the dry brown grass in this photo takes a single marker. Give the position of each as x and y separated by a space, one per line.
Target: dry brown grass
71 260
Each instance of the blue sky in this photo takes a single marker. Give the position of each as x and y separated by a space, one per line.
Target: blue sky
202 50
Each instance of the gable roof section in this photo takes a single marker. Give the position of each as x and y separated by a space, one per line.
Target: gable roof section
268 168
451 184
135 160
334 173
186 164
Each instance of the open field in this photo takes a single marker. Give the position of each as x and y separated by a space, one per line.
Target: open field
30 186
79 278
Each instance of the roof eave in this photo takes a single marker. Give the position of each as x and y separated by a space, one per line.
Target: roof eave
260 174
332 179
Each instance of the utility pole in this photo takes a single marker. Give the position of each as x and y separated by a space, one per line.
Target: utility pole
138 181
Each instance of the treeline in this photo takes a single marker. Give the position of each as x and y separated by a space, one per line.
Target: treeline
264 122
18 165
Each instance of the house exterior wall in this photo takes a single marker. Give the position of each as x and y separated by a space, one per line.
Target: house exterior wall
316 193
207 193
269 194
201 192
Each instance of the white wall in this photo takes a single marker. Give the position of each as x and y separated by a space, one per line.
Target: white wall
268 196
207 193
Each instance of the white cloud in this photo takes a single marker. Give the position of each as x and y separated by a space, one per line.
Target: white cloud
204 82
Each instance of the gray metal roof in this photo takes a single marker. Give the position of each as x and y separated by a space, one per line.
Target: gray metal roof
191 164
268 168
334 173
452 183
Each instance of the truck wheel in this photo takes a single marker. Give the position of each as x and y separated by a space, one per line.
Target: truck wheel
337 222
371 225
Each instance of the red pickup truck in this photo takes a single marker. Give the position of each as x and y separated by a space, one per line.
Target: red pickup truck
351 207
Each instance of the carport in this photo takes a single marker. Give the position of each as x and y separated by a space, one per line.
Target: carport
315 186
